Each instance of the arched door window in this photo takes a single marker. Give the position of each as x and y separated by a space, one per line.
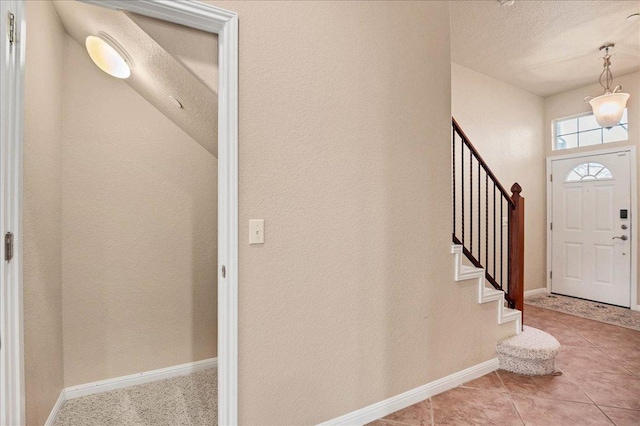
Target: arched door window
589 171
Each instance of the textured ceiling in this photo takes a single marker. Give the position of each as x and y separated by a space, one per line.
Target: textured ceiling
544 47
169 60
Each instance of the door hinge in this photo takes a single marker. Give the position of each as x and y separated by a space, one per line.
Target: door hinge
551 178
11 28
550 274
551 226
8 246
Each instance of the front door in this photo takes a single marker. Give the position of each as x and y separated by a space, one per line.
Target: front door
591 248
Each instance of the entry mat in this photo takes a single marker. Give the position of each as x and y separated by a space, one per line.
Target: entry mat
596 311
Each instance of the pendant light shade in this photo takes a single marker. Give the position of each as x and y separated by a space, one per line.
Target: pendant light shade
608 108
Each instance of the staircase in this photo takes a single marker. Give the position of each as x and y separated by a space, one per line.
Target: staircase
485 294
488 235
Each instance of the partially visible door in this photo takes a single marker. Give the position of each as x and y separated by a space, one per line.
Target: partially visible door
591 249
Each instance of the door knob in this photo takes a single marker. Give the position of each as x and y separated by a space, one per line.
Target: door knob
623 238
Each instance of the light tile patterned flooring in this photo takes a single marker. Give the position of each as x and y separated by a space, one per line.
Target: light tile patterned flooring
600 384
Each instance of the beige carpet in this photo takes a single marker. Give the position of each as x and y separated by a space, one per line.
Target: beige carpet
609 314
185 400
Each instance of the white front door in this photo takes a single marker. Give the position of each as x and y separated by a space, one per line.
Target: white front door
591 248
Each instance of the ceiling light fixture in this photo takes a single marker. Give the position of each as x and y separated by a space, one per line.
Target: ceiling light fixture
109 56
608 108
633 17
506 3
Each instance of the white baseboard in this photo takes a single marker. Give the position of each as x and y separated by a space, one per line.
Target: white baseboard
413 396
541 290
53 416
139 378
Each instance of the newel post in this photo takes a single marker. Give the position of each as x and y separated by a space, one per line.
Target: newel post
516 248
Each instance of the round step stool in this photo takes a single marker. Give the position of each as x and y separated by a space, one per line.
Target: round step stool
532 352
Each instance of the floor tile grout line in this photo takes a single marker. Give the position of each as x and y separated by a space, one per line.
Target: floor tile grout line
619 408
501 381
618 362
555 398
433 420
513 404
606 415
615 361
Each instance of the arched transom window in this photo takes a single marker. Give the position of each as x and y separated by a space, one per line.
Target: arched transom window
589 171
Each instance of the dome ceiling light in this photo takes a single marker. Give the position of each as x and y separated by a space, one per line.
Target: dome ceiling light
506 3
109 56
608 108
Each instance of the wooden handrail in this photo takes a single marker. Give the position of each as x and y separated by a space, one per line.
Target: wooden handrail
481 161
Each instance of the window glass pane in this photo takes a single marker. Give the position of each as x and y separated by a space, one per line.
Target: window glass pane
573 176
624 119
592 137
567 141
582 169
604 173
587 122
566 126
617 133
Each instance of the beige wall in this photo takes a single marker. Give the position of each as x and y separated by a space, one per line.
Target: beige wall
345 152
572 103
505 124
139 225
42 212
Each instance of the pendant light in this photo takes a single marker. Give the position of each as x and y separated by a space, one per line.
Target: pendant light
608 108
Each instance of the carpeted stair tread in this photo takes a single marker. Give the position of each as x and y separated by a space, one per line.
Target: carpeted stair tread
531 352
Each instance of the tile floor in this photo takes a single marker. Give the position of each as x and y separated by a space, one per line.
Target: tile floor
600 384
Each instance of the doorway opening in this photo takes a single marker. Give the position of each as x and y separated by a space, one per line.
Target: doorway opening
129 204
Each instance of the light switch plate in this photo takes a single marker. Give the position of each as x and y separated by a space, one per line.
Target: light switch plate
256 231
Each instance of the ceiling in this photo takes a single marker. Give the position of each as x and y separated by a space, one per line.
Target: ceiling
544 47
168 61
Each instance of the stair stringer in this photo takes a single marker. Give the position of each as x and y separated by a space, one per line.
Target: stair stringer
486 294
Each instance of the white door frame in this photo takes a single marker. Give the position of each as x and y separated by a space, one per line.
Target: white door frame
11 119
184 12
634 213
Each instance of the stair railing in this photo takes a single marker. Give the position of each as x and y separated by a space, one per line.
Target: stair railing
488 222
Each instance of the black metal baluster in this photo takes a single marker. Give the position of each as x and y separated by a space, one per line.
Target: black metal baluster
501 240
509 207
462 185
454 180
486 219
479 219
471 202
494 230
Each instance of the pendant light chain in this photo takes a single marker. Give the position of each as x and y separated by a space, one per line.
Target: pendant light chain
606 71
